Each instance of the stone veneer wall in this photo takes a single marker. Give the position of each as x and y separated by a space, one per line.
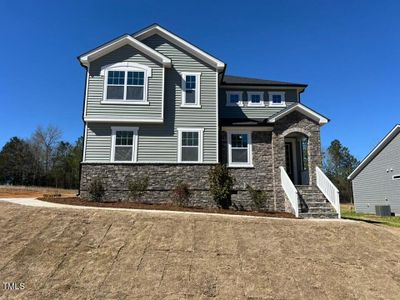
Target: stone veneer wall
162 180
259 177
268 155
294 123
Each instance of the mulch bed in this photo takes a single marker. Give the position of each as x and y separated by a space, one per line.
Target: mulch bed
163 206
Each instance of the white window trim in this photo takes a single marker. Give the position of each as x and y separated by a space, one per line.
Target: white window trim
197 103
200 131
249 164
114 130
283 102
228 98
249 94
125 67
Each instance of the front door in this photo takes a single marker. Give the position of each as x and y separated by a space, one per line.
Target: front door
289 160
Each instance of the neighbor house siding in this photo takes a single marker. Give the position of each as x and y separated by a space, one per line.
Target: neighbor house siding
374 184
291 96
96 109
159 142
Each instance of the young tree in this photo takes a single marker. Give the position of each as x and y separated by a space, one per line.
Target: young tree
16 163
338 164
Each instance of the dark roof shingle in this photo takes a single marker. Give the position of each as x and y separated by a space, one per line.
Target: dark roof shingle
236 80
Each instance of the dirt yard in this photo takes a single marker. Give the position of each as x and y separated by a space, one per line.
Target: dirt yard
7 191
75 254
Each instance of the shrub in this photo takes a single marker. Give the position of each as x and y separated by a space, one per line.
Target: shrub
181 194
137 187
258 197
221 184
96 190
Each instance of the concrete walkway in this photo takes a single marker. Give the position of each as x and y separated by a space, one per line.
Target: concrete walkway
39 203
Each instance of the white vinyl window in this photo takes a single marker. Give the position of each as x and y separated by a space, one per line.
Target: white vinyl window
190 145
234 98
239 149
255 98
276 99
190 89
125 83
124 144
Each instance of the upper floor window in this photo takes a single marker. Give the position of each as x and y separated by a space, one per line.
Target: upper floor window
255 98
276 98
125 83
190 89
190 144
124 144
234 98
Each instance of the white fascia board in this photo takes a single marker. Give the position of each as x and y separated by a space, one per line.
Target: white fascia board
247 128
304 110
106 120
378 148
125 40
156 29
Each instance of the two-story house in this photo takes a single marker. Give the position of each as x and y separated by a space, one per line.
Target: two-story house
157 106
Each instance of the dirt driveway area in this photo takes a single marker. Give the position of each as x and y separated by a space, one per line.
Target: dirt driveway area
93 254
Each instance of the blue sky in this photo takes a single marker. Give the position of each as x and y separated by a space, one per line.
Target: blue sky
347 51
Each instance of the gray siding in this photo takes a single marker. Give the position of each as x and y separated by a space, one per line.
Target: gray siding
373 185
291 96
95 109
159 142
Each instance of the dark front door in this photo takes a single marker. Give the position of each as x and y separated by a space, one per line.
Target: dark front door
289 160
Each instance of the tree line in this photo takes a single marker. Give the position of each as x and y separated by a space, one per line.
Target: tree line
41 160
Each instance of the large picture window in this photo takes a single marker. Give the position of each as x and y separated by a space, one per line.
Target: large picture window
190 144
126 83
239 149
124 144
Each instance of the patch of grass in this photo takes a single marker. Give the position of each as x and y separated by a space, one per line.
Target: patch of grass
348 212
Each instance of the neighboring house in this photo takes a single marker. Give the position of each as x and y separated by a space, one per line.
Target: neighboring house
376 181
157 106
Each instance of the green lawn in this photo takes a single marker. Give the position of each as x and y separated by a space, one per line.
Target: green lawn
348 212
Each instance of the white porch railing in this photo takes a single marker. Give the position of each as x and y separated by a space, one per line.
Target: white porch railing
328 189
290 190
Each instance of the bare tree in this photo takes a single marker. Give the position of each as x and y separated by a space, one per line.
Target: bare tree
44 141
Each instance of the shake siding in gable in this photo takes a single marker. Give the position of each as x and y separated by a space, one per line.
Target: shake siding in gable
159 142
374 184
95 109
253 112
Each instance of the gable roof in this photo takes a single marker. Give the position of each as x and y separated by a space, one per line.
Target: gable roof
195 51
302 109
378 148
126 39
237 80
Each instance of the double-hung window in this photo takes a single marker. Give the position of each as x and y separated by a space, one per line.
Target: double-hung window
190 89
276 98
126 83
234 98
190 145
239 149
124 144
255 99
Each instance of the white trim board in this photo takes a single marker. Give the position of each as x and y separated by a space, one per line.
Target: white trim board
122 120
86 58
157 29
378 148
302 109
